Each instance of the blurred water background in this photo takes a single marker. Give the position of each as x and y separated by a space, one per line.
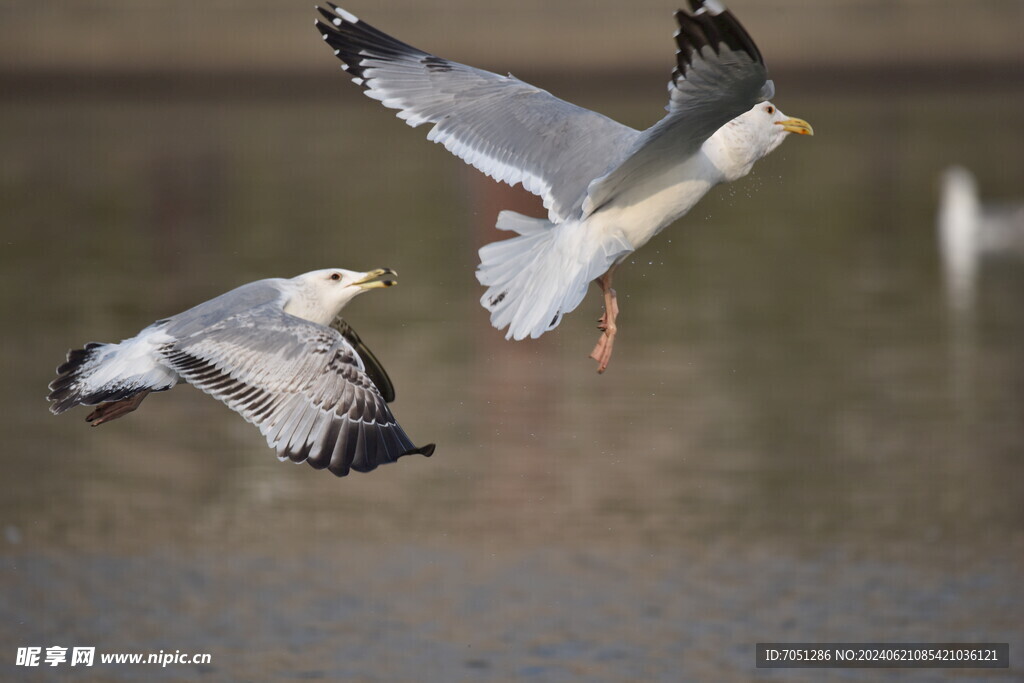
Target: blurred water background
797 439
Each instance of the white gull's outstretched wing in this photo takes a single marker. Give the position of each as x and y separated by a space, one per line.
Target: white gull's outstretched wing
301 383
719 75
510 130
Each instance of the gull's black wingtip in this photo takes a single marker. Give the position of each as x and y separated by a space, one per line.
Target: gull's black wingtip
425 451
710 24
330 18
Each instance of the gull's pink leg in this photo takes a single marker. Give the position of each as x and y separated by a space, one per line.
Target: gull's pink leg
111 410
602 352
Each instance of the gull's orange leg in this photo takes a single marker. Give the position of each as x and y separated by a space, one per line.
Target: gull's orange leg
602 352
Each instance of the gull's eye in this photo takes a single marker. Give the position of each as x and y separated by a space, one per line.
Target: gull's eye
770 109
335 276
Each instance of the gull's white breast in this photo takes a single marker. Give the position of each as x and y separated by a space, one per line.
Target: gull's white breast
646 207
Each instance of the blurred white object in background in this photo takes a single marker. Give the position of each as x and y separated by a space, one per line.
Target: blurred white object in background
969 231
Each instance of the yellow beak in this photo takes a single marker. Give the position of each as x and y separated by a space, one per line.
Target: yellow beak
798 126
372 279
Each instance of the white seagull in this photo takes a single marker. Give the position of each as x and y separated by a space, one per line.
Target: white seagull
608 188
970 230
267 351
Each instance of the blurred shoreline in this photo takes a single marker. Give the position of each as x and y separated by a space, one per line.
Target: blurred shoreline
42 83
822 44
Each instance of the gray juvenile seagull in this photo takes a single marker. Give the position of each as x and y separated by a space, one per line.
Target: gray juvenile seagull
267 351
608 188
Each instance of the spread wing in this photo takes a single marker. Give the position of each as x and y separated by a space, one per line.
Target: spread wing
301 383
510 130
719 75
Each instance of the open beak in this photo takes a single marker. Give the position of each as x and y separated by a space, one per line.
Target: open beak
798 126
376 278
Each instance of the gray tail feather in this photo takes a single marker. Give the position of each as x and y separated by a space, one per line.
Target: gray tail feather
66 391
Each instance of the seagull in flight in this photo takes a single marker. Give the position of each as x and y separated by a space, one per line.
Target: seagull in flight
607 188
275 352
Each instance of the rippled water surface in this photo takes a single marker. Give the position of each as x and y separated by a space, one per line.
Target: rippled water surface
796 440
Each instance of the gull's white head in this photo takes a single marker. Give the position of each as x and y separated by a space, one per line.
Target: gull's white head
320 295
752 136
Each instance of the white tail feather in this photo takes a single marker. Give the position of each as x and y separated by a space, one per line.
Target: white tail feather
112 372
536 278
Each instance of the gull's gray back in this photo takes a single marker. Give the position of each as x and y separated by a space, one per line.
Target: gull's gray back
216 310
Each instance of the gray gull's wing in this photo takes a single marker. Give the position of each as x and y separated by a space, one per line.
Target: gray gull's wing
301 383
510 130
719 75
